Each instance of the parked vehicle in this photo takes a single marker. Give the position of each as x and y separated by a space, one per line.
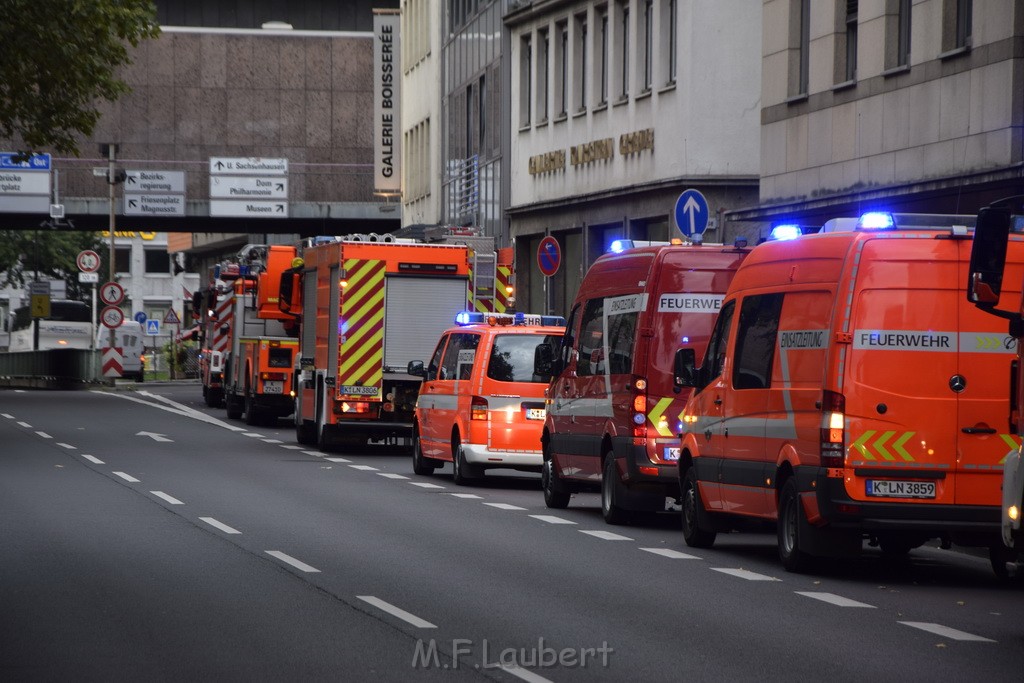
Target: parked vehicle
613 412
131 339
481 404
848 391
998 226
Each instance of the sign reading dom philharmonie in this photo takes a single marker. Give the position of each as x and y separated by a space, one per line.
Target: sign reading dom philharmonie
387 131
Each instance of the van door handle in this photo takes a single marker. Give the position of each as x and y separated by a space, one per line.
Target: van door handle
978 430
718 401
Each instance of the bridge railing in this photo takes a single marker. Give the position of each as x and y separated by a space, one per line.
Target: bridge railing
56 369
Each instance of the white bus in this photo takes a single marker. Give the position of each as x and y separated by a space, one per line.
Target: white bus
69 326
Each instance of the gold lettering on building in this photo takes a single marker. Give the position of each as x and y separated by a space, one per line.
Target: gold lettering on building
595 150
547 162
637 141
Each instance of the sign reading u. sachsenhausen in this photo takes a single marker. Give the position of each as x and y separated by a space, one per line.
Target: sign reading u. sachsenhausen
387 132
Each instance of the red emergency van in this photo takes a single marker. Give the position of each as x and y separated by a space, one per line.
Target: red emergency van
613 412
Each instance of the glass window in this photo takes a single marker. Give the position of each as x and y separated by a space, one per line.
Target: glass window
851 40
603 87
566 344
621 337
512 357
158 261
755 341
590 344
648 43
459 356
714 356
435 360
123 260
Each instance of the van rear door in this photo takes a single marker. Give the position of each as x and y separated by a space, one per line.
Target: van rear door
900 387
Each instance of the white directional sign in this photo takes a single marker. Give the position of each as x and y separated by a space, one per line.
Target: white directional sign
248 187
22 182
248 166
154 204
24 185
154 182
229 208
89 278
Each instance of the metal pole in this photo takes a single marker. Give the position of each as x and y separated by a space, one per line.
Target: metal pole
111 179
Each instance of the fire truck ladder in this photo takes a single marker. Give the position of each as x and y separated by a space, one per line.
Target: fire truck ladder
484 267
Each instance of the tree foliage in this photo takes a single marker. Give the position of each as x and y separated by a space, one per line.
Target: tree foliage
59 58
52 254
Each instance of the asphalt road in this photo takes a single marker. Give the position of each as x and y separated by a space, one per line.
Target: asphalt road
145 536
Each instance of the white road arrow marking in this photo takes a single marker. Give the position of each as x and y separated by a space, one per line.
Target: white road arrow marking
154 436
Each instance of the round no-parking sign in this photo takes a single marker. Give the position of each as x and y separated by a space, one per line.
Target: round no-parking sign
549 256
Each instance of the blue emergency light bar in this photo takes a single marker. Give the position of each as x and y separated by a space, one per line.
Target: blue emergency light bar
787 231
474 318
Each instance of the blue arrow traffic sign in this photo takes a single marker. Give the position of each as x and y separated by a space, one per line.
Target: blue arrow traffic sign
691 213
140 318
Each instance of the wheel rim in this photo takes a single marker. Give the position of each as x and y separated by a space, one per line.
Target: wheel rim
456 468
689 508
545 476
606 491
789 528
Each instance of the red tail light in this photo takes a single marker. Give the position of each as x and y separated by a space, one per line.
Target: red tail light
639 410
833 429
478 408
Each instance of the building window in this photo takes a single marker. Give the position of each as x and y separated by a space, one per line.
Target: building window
579 68
897 33
622 43
123 260
561 68
956 24
543 45
845 70
470 147
603 88
481 112
799 47
669 46
648 43
525 79
158 262
851 40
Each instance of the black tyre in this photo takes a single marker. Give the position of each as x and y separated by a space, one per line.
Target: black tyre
556 493
421 465
234 406
253 416
611 509
695 535
1004 562
793 559
463 473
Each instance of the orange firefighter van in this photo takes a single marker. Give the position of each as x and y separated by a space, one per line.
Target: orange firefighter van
613 412
849 390
481 404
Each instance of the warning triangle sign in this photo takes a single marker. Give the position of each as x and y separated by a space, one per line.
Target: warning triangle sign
171 318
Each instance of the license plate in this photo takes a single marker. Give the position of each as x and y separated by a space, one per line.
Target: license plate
534 413
671 453
888 488
273 387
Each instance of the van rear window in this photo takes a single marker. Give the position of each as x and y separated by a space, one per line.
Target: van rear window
280 357
512 357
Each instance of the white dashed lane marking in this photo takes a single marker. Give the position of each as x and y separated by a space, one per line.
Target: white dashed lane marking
169 498
337 459
93 459
315 454
833 599
744 574
946 632
606 535
504 506
253 435
524 674
551 519
673 554
9 417
466 495
219 525
127 477
424 485
272 441
44 435
67 446
26 425
407 617
391 475
298 564
364 468
292 447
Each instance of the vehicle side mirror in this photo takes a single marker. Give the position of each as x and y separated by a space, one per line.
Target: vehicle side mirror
988 256
416 368
685 368
543 359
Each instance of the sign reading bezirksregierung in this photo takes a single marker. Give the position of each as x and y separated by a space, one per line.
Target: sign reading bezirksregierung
387 132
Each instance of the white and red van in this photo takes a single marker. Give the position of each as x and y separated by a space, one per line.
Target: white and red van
850 392
481 404
613 412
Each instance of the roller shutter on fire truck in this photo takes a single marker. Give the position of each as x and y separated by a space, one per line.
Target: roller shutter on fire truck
418 308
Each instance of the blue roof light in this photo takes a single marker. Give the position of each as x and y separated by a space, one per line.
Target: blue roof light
468 318
876 220
619 246
788 231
